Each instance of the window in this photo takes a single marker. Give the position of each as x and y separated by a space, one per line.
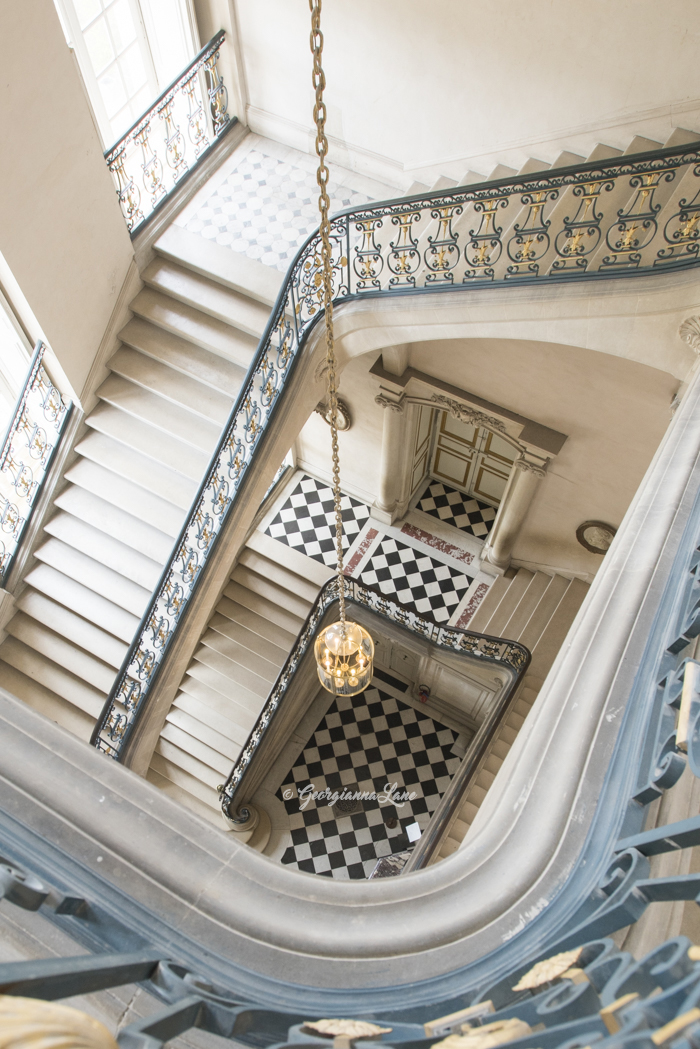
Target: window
128 52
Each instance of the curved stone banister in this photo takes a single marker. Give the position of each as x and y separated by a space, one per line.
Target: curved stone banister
516 231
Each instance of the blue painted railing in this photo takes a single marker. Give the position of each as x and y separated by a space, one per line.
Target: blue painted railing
624 217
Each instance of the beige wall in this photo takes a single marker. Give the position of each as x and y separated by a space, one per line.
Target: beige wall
452 84
61 229
614 412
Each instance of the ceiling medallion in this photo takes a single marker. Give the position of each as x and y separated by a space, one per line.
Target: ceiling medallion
595 536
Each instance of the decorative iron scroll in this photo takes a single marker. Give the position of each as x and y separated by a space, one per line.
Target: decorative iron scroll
27 451
481 646
614 218
171 137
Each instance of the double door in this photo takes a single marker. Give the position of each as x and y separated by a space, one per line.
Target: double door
471 459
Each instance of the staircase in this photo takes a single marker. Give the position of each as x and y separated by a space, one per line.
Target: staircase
246 642
142 454
537 610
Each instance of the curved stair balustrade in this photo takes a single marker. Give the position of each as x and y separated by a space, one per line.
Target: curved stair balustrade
26 454
513 657
201 107
605 219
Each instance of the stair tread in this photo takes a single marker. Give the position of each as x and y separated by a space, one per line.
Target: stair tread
238 653
203 294
243 679
171 769
188 763
47 703
174 387
39 668
80 567
85 602
219 263
181 796
525 608
270 590
139 470
115 522
182 356
73 627
223 744
257 624
244 706
544 611
267 609
163 448
252 642
151 509
104 549
291 559
509 602
207 332
149 407
210 757
207 705
279 575
61 651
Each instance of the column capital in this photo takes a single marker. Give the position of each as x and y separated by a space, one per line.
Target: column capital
527 466
386 402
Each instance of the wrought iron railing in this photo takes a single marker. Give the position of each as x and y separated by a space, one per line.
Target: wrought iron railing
616 218
30 444
156 144
482 647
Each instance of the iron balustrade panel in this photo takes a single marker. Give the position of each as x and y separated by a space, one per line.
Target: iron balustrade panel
497 651
602 220
171 137
30 444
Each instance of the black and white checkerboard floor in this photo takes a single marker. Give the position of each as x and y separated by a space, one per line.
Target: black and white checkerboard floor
418 581
457 509
369 740
306 521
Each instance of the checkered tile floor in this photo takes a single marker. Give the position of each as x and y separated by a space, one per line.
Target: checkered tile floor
369 740
416 580
307 522
457 509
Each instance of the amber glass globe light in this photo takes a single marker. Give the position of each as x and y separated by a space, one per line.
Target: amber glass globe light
344 654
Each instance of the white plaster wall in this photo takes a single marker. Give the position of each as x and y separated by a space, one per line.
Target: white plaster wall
445 85
61 229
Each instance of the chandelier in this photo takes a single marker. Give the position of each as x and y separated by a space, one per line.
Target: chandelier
344 651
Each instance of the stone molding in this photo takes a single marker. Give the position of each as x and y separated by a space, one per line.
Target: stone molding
526 466
689 332
386 402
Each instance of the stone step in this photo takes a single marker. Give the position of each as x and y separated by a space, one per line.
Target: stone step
251 581
195 748
204 774
244 705
287 557
46 702
149 508
490 603
509 602
110 584
178 793
218 741
523 611
191 361
252 642
83 601
134 467
256 622
61 652
134 400
544 611
160 447
182 390
245 648
102 515
286 580
72 627
104 549
219 263
249 687
193 289
38 667
205 704
207 332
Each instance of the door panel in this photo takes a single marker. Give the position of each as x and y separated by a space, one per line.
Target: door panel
470 458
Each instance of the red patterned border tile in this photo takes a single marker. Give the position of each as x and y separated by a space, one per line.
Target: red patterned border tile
438 544
362 549
474 602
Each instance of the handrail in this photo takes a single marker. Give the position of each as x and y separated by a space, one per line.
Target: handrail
183 100
26 455
421 259
483 647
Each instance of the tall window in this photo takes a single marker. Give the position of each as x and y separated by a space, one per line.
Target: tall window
128 52
15 356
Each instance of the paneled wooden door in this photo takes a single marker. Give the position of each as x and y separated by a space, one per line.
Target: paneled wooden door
470 458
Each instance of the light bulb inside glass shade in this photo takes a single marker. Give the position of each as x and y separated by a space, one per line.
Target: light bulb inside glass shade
344 657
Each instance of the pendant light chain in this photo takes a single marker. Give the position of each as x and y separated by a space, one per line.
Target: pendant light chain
319 83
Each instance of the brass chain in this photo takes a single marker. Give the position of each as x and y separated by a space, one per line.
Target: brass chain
319 83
